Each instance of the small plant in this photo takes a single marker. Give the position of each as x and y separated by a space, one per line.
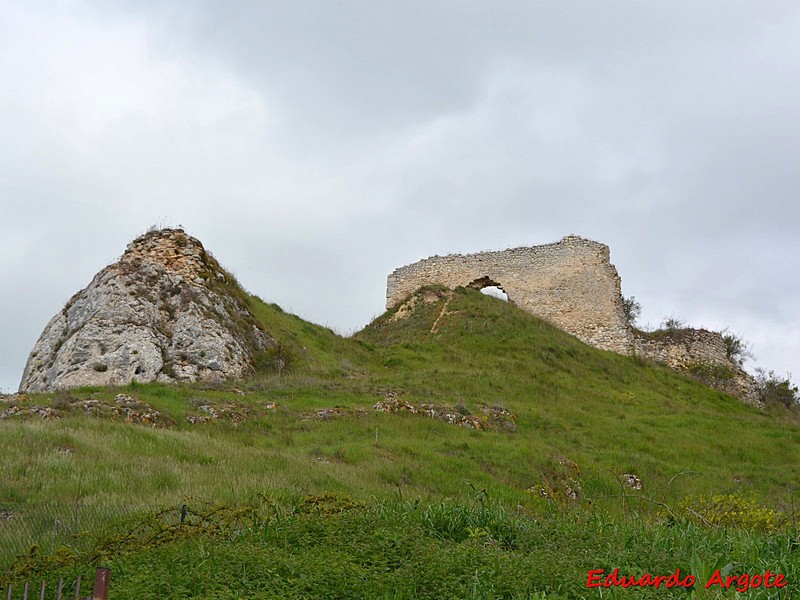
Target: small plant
673 323
327 504
632 309
100 368
59 342
736 349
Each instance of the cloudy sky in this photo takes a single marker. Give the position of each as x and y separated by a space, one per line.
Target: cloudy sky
314 146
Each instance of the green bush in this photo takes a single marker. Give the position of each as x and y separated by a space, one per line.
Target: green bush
736 349
672 323
773 389
632 309
710 372
731 510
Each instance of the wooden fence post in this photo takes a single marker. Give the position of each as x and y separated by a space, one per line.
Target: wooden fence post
102 579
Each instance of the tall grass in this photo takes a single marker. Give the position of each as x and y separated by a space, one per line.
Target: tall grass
331 546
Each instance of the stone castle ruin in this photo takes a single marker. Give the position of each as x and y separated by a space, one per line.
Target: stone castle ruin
167 311
573 285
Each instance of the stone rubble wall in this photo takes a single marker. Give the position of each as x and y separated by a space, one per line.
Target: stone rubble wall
570 283
172 249
701 353
683 348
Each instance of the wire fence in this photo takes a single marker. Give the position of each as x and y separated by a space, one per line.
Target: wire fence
41 529
91 531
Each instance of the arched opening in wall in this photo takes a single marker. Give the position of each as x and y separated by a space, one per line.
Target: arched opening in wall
495 292
489 287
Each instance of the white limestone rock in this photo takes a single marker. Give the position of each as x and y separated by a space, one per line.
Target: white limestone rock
166 311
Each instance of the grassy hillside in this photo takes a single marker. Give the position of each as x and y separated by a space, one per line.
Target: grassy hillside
452 397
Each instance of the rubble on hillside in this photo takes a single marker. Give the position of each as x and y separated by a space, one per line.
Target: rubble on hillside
135 411
490 418
124 407
43 412
231 412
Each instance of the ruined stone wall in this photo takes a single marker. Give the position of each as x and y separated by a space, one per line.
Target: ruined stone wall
172 249
683 348
570 283
699 353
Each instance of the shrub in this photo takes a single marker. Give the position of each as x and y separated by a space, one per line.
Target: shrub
710 371
731 510
632 309
773 389
736 349
673 323
279 359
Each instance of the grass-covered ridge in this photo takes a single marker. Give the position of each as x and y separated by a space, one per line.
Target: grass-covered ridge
580 421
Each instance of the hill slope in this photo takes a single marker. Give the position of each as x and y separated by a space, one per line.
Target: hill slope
600 409
451 391
458 351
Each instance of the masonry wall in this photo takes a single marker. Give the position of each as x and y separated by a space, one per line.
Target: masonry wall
683 348
700 353
570 283
573 284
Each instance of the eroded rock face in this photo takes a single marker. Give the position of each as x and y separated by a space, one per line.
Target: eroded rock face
166 311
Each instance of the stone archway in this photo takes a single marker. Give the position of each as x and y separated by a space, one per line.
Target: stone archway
490 287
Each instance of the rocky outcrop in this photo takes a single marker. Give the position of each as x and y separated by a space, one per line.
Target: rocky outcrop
166 311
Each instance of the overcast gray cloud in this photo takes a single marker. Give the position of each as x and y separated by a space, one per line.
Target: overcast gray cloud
316 146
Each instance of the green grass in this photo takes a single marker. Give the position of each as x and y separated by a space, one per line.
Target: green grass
583 419
332 547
